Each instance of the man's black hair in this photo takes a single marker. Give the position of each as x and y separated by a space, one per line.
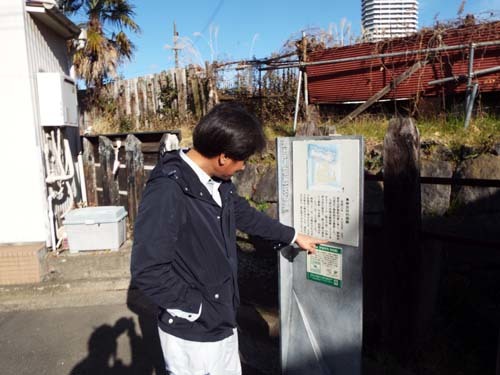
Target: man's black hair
230 129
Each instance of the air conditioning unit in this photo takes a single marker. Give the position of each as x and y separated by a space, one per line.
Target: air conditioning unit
57 100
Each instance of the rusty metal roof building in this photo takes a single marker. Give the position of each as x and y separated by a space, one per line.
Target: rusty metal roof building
358 76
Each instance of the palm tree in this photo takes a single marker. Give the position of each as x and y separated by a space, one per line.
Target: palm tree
107 45
69 6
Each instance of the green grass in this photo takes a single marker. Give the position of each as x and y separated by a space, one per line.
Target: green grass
483 131
278 129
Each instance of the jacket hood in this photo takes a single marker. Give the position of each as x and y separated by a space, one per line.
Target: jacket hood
170 165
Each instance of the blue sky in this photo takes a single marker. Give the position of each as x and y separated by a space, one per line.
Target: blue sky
233 30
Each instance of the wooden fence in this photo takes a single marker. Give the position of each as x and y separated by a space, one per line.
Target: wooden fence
176 93
189 93
117 166
404 270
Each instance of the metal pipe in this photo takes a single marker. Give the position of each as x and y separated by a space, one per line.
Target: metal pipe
297 102
304 59
59 141
68 168
83 187
71 199
468 114
51 223
48 169
462 77
56 155
306 95
67 172
255 61
470 72
384 55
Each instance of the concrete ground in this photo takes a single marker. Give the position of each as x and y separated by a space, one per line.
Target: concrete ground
104 339
83 319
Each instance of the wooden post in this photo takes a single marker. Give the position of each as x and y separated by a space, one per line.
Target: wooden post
384 91
195 89
89 172
171 83
498 355
135 175
127 94
109 182
180 84
202 84
213 98
136 109
401 260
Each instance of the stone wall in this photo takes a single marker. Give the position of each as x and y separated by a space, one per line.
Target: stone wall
258 183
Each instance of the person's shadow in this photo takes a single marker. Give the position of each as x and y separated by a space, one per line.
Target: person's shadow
102 346
145 349
149 357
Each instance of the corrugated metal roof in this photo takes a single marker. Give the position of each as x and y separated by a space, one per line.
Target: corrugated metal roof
359 80
47 12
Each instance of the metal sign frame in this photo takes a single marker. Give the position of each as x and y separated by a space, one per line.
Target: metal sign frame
321 325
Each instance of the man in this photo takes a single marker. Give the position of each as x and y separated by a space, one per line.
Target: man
184 255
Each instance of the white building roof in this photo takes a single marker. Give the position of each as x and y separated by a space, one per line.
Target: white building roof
47 12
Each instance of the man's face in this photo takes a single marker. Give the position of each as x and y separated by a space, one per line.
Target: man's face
227 167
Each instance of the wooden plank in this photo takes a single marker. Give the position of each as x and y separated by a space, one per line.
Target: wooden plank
121 176
135 175
151 148
498 355
213 97
379 95
195 91
144 91
180 85
400 257
110 188
89 172
171 83
151 158
134 102
127 94
203 96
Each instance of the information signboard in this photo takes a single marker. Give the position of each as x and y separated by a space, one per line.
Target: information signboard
320 183
326 265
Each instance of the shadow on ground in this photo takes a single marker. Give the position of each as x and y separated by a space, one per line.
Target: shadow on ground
146 356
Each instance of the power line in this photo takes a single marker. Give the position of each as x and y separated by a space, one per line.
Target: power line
209 22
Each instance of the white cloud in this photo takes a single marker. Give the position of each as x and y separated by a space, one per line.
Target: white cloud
490 5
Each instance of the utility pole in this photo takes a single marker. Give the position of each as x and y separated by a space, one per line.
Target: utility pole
176 48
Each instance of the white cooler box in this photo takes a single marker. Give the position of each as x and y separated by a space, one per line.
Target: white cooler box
96 228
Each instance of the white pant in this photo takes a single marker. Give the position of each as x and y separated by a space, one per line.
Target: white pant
183 357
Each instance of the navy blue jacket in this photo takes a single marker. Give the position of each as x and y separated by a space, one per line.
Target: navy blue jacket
184 251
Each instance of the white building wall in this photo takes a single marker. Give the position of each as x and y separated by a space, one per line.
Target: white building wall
47 52
383 19
23 207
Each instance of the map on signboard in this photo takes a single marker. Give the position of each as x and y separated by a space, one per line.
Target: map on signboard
323 167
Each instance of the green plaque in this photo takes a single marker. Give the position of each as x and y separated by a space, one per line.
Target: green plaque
325 266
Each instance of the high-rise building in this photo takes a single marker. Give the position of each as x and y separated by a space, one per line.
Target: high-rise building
383 19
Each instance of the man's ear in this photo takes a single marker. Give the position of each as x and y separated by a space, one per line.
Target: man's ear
222 159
